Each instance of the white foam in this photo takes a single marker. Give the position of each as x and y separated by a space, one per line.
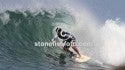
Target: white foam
108 40
5 18
113 35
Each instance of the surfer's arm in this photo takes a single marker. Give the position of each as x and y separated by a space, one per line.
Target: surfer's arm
54 38
63 41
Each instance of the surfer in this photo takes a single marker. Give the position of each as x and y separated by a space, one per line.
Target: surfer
68 39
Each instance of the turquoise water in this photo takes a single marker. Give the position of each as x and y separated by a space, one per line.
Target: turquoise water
18 32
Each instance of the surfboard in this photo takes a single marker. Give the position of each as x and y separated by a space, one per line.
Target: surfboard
83 58
63 58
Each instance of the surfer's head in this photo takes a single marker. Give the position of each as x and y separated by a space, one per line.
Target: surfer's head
58 30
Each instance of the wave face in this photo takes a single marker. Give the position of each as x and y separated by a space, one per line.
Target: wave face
20 29
18 32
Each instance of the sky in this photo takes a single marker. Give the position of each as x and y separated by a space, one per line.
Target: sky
103 9
106 9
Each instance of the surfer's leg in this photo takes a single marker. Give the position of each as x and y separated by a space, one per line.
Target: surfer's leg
76 50
75 47
66 48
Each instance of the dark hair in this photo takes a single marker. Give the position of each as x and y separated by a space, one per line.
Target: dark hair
58 29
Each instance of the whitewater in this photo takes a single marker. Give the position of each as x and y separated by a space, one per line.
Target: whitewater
21 27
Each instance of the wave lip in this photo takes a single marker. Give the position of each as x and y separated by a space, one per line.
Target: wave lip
18 32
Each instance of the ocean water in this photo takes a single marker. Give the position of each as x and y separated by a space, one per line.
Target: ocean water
18 32
22 23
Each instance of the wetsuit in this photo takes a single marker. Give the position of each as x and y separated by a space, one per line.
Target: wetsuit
67 37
